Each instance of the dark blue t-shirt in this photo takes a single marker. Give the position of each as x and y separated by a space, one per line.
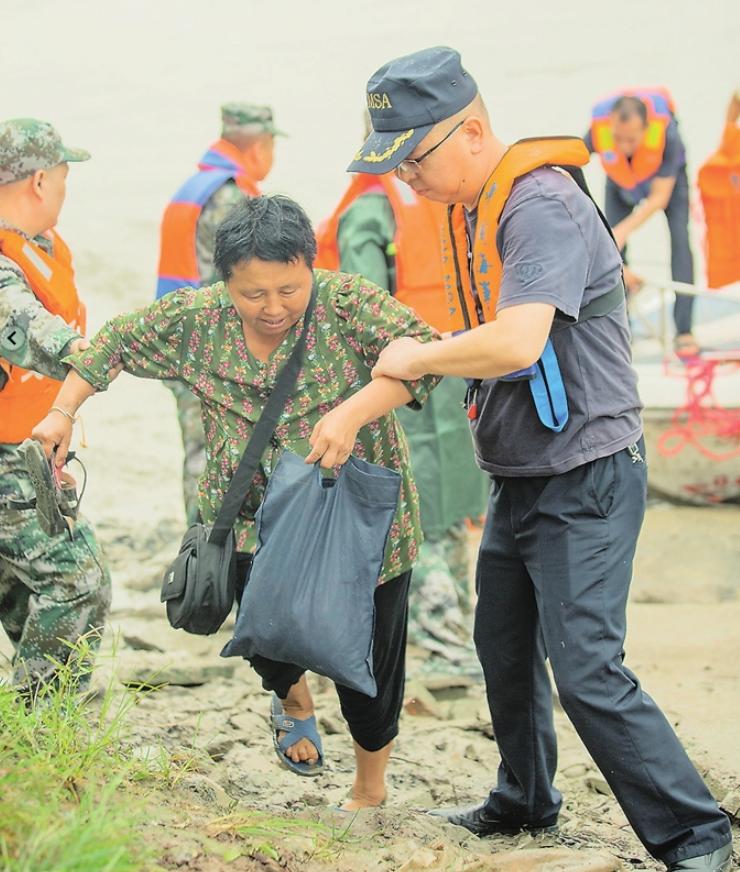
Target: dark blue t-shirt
555 249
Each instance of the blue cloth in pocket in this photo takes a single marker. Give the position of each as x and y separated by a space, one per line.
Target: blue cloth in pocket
320 547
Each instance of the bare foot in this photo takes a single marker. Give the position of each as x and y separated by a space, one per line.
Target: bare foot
299 705
363 799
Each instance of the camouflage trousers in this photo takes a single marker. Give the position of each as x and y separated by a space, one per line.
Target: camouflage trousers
440 607
193 443
52 589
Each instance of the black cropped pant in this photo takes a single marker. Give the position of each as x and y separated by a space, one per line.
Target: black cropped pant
373 723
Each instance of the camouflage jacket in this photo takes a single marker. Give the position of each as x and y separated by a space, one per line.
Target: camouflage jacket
214 211
44 337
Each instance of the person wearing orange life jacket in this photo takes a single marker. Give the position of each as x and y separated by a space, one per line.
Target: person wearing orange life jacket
52 589
533 284
230 170
382 230
719 186
635 133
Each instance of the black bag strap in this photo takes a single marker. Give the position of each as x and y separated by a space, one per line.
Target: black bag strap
263 431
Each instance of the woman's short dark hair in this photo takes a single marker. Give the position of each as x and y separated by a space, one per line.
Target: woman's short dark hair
271 228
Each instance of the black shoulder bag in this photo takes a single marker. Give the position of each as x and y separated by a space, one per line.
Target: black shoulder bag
199 585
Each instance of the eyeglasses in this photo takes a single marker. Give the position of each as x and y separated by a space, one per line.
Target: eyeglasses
412 167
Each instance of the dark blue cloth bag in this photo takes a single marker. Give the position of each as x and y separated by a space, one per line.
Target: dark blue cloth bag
310 595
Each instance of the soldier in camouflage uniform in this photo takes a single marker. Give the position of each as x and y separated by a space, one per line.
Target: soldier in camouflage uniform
234 165
52 589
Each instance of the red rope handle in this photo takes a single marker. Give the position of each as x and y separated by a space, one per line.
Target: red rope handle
702 417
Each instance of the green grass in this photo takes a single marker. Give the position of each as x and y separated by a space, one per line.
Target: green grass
61 768
76 797
258 833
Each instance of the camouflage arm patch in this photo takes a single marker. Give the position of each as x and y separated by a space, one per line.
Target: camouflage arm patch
30 336
214 212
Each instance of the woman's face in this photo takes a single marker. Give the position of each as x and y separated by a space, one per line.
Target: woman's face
270 296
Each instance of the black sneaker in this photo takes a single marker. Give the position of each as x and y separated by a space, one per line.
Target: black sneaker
481 823
717 861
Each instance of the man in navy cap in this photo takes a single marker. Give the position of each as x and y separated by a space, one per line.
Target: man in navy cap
537 314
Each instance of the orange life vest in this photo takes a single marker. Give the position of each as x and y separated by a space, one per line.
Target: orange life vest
719 184
178 260
469 303
646 161
416 248
28 396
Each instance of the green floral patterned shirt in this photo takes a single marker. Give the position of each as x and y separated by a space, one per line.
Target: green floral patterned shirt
196 336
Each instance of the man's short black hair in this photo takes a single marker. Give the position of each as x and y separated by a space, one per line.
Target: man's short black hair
627 107
271 228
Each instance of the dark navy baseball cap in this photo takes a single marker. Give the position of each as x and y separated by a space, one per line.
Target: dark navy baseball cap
405 98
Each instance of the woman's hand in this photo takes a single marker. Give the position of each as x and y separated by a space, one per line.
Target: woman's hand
55 431
334 437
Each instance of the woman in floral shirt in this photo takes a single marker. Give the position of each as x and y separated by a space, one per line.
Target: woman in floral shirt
227 343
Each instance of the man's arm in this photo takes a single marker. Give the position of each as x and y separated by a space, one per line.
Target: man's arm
657 200
514 341
30 336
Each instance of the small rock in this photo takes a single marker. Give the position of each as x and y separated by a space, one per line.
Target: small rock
151 756
150 669
470 753
420 702
207 790
139 644
331 726
183 858
731 804
598 785
575 770
426 858
550 860
218 746
249 724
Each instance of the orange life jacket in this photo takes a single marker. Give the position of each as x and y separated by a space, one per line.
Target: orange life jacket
469 303
646 161
28 396
178 261
416 250
719 184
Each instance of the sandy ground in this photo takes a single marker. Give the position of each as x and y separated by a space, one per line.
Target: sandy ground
683 643
139 85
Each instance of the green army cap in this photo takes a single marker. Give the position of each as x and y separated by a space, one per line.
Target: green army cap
27 145
248 118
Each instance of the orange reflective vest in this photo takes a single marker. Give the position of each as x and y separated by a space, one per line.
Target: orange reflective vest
646 161
471 300
416 250
178 261
719 184
28 396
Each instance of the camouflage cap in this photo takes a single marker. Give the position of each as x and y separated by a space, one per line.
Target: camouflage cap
248 118
27 145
